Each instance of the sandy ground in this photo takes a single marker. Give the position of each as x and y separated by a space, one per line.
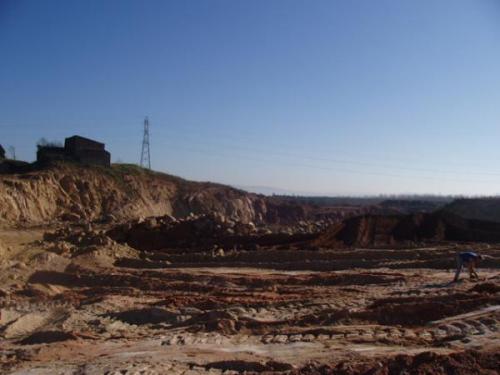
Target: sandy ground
103 308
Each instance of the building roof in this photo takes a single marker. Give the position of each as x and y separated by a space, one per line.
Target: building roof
77 137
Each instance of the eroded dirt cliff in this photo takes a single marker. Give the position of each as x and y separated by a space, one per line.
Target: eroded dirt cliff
72 192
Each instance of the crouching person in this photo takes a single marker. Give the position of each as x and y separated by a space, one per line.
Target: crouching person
470 260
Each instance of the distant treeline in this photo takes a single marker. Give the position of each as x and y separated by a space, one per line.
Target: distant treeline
363 201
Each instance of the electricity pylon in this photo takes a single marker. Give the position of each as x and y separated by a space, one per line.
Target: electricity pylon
145 154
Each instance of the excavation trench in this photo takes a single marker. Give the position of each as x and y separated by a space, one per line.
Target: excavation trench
418 311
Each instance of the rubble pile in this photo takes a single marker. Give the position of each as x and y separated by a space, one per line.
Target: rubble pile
66 240
195 231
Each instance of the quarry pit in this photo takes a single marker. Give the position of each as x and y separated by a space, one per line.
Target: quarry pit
218 294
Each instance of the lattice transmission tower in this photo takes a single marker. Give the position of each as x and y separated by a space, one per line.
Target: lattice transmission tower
145 154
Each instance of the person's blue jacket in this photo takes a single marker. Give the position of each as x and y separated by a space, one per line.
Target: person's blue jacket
468 256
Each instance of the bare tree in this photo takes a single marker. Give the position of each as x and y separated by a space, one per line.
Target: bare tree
12 152
43 142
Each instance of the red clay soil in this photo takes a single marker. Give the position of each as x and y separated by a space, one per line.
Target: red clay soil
248 367
421 310
427 363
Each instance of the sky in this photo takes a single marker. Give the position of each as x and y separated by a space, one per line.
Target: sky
318 97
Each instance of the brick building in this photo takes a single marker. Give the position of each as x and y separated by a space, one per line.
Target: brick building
75 148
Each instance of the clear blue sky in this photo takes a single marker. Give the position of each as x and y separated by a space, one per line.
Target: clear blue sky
338 97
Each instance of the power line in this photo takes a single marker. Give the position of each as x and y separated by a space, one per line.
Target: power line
384 164
387 163
394 159
267 161
145 154
240 148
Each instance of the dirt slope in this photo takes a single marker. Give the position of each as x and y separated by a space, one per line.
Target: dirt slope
384 230
72 192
